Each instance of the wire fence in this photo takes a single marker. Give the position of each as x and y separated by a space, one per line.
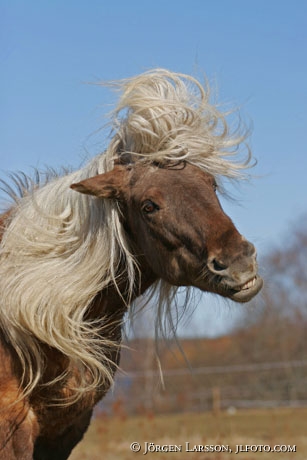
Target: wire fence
211 388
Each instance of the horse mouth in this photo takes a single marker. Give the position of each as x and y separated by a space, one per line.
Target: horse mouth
244 292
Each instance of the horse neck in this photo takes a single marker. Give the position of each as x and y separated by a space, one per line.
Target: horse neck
112 302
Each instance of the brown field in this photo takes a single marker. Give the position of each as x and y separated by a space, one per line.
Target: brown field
109 438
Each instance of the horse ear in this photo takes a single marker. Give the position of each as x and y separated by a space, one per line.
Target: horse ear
107 185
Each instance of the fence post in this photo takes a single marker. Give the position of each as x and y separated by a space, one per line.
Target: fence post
216 400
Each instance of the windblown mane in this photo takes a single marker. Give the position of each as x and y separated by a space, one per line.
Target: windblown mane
60 248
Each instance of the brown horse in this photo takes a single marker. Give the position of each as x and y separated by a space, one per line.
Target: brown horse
72 263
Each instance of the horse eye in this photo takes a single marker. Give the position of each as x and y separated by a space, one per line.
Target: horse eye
149 207
214 186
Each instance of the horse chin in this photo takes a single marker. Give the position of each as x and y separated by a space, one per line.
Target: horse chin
241 294
246 292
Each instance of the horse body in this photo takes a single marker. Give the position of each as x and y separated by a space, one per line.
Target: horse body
33 428
146 216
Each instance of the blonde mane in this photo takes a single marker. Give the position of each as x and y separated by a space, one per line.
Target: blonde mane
61 248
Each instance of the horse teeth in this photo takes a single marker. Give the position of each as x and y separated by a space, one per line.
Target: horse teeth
249 284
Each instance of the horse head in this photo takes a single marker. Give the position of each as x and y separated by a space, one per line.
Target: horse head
175 222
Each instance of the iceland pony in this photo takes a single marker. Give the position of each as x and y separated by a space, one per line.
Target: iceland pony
78 249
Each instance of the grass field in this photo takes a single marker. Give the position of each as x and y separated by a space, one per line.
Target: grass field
109 438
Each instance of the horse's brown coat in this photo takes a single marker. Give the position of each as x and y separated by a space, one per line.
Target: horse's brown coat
178 233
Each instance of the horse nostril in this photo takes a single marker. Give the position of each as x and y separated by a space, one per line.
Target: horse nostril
251 250
217 265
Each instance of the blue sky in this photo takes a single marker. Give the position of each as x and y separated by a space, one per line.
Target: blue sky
253 51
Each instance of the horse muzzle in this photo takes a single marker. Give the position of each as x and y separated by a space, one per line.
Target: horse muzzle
235 276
